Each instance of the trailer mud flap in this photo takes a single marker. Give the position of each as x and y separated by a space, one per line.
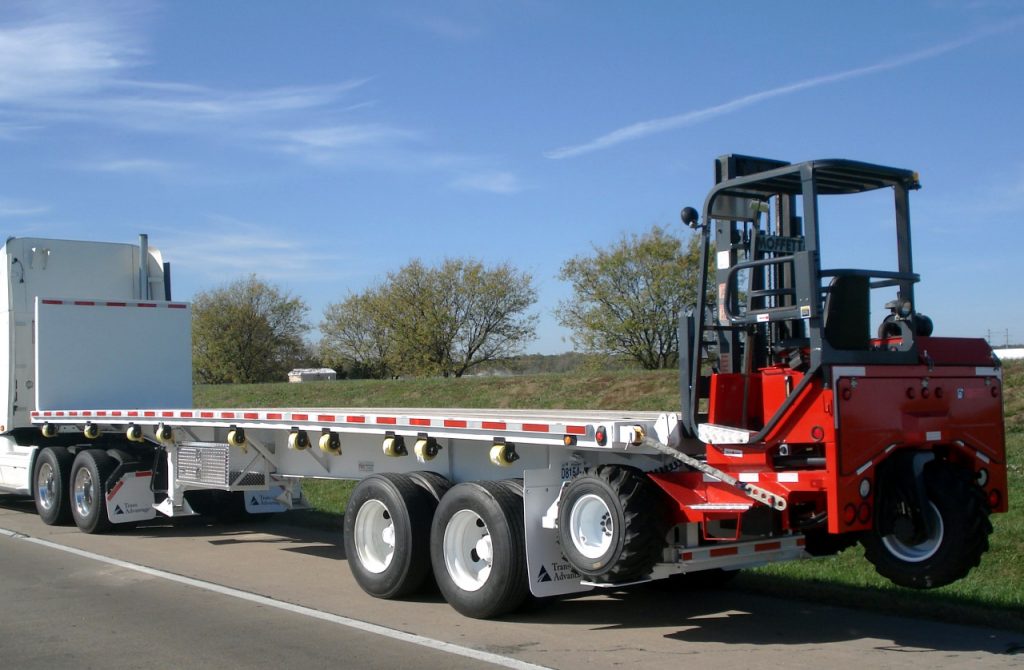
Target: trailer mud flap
550 574
265 502
131 498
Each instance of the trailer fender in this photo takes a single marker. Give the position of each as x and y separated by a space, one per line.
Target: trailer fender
549 573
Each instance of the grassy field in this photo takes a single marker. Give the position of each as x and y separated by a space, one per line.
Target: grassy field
992 594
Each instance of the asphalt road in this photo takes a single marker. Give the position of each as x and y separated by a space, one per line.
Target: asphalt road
278 595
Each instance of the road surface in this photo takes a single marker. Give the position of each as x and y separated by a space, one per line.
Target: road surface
276 594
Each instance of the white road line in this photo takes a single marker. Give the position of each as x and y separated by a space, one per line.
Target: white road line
411 638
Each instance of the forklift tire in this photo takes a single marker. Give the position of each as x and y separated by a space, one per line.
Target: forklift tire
387 534
89 474
51 485
608 524
478 549
959 538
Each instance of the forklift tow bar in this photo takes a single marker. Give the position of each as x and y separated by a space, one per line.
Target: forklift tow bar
754 492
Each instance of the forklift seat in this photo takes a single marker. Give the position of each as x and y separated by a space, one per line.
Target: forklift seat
848 313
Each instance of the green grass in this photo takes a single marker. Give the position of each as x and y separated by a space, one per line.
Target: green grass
993 594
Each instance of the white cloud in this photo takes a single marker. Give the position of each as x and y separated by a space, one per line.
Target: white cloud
129 166
500 182
643 129
17 208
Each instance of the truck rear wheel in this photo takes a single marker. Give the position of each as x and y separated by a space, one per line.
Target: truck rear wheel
478 549
608 524
387 534
959 533
89 475
51 483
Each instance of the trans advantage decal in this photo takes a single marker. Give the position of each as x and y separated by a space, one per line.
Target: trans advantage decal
131 498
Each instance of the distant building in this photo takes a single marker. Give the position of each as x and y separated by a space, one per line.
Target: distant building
311 374
1009 354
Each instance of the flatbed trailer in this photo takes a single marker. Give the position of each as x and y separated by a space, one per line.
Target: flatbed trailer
799 432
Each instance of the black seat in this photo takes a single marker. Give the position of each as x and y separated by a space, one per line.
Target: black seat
848 313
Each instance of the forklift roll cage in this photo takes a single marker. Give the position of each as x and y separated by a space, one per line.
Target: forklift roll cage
788 307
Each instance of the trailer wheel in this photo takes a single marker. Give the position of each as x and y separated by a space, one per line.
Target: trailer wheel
960 530
89 474
51 482
608 524
478 549
387 534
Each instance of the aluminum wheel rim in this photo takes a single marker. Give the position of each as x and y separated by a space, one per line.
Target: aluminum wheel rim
468 552
46 486
590 525
916 553
375 536
84 492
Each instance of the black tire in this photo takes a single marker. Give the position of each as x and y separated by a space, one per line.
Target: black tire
473 519
609 525
435 484
50 485
960 537
387 534
88 487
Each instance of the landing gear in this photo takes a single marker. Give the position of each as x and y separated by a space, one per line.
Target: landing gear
942 542
608 524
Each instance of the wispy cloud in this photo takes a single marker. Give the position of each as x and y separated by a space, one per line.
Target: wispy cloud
348 141
129 166
500 182
20 208
226 247
643 129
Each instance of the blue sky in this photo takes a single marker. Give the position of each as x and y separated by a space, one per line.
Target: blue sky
322 144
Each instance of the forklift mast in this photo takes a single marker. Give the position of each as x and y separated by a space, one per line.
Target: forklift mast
772 303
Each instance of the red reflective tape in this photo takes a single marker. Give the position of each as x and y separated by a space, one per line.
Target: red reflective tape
176 306
576 430
169 415
101 413
186 415
144 473
53 302
493 425
227 415
274 416
454 423
85 303
117 304
355 419
390 420
325 417
419 422
86 413
133 413
116 413
724 551
801 542
300 417
251 415
72 413
148 413
687 556
536 427
206 415
768 546
113 491
146 304
58 413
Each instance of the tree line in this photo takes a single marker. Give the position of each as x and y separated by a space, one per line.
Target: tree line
451 318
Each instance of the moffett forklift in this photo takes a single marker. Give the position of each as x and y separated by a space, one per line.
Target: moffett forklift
783 370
